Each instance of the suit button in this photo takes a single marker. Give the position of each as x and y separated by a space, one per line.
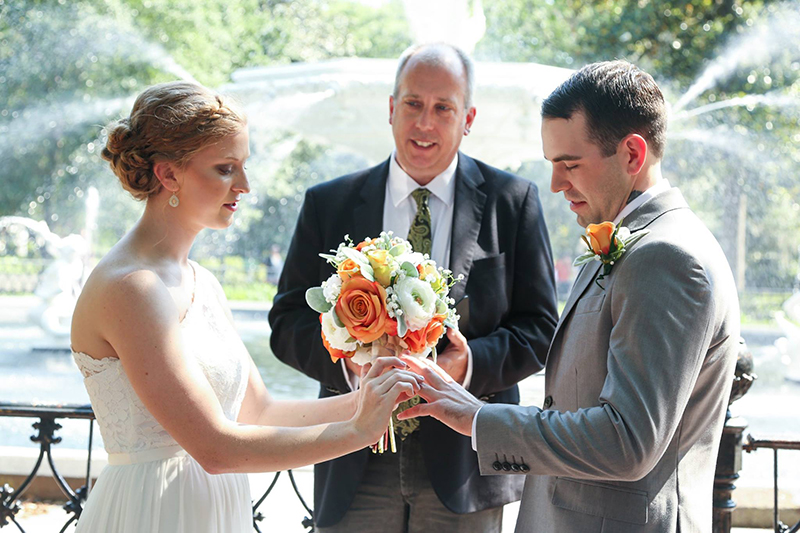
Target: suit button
548 402
514 467
497 466
524 468
507 466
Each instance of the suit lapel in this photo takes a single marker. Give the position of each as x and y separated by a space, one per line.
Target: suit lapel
467 217
368 214
586 277
636 221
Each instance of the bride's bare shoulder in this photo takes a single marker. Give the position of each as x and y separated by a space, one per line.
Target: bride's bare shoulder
122 283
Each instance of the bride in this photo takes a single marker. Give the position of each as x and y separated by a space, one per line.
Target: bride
181 406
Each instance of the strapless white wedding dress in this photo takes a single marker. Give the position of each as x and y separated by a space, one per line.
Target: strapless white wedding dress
151 485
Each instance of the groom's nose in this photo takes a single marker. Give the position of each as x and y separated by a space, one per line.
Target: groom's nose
558 180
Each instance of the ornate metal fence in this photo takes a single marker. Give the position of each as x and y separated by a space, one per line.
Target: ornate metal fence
46 428
751 445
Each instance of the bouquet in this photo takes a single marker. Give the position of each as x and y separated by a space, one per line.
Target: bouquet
384 299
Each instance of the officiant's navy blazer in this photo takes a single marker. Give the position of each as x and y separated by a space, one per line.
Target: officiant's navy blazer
501 246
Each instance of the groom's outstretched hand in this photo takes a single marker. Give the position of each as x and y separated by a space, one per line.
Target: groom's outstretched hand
448 402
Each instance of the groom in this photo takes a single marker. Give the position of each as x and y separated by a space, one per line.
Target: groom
640 368
477 221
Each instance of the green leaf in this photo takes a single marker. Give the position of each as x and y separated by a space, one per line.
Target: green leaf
367 272
402 327
583 259
315 298
410 270
635 237
336 319
398 250
441 307
355 255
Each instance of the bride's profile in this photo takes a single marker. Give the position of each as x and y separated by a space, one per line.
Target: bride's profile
180 404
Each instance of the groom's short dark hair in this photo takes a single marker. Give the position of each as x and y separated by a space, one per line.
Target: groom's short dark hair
617 99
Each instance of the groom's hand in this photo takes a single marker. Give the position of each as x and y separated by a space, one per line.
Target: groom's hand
455 358
448 402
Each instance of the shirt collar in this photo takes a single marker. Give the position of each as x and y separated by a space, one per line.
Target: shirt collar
401 185
660 186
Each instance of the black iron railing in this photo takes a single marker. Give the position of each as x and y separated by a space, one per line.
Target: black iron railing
750 445
46 428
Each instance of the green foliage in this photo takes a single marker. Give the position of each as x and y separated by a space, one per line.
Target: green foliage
241 279
672 39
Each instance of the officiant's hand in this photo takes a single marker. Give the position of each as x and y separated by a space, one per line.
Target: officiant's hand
384 384
455 358
448 402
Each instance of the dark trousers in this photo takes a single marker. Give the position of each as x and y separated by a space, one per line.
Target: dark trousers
396 496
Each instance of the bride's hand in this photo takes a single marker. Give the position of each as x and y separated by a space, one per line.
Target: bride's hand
384 384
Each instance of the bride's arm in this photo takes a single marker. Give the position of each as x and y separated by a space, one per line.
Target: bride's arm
140 321
260 408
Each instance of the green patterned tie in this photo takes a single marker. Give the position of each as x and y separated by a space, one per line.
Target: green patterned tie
421 239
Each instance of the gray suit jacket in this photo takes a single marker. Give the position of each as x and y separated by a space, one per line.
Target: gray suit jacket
637 383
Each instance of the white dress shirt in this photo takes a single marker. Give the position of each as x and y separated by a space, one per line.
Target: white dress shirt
661 185
399 210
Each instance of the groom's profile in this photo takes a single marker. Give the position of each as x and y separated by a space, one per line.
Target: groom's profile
641 365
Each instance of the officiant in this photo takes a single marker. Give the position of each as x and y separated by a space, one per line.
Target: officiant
471 218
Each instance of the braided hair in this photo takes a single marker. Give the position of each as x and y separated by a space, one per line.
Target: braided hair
169 122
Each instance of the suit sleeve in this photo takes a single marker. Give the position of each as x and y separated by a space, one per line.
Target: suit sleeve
518 347
296 331
658 343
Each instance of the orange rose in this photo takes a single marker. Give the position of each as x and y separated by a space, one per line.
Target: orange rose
349 269
363 244
362 309
426 337
600 236
335 354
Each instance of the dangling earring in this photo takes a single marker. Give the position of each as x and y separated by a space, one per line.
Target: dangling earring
173 200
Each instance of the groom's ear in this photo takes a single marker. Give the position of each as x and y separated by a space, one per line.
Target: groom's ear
633 151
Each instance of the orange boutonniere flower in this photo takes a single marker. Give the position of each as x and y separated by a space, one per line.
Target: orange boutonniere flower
606 243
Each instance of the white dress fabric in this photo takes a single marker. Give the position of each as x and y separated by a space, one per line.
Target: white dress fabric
151 485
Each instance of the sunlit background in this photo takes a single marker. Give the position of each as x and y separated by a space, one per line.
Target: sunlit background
314 77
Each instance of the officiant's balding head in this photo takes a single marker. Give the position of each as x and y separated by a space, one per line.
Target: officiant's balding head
431 109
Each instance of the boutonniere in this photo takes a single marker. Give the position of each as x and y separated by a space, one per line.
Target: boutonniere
606 243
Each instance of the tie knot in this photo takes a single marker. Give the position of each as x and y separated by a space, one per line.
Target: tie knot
421 197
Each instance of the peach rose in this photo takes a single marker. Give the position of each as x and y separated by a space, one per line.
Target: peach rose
362 309
427 337
600 236
360 246
349 269
335 354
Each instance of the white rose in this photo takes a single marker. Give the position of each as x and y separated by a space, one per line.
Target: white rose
415 258
336 336
623 233
331 288
417 301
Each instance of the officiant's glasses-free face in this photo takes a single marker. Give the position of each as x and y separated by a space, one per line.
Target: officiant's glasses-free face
429 118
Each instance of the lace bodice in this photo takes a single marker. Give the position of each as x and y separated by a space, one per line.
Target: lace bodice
208 337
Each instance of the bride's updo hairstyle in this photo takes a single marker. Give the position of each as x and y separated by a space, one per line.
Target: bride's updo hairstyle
169 122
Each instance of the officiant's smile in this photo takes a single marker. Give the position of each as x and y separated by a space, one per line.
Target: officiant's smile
429 113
